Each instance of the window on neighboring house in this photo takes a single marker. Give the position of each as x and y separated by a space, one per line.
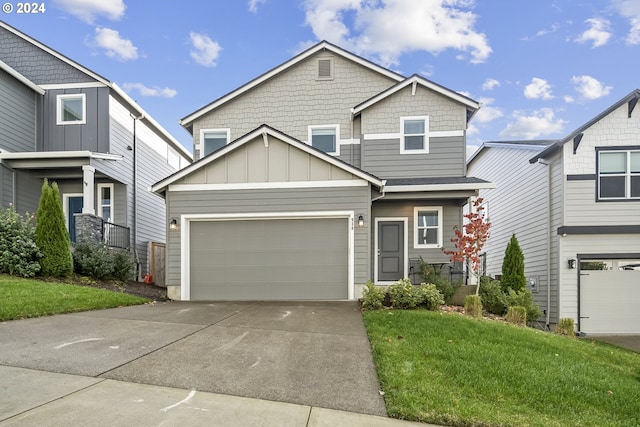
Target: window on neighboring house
325 138
212 140
618 174
428 227
105 202
71 109
414 135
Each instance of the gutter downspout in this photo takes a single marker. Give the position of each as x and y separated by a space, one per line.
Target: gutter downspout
135 195
548 227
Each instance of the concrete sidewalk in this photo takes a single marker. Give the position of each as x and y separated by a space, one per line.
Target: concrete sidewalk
36 398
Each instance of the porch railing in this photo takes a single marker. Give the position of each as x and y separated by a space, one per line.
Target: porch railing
116 236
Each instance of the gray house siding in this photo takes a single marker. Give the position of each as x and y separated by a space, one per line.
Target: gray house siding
295 99
27 192
35 64
582 208
274 200
92 136
18 117
6 186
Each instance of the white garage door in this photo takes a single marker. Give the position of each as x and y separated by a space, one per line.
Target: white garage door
609 299
269 259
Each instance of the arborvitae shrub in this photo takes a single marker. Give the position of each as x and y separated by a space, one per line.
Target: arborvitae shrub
513 268
52 236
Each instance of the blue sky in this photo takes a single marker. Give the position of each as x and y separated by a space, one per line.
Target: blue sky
539 68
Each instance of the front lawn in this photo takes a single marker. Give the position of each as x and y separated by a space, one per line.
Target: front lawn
448 369
22 298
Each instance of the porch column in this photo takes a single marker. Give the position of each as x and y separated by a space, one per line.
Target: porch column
88 185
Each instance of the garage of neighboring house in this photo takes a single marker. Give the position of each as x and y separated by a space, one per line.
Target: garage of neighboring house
609 296
273 258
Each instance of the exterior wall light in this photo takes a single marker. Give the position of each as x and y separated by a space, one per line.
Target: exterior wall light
572 263
173 225
360 221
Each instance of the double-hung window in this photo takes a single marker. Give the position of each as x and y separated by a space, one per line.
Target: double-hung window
105 202
324 138
618 174
414 135
212 140
71 109
428 227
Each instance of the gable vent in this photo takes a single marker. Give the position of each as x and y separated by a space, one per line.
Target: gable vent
325 69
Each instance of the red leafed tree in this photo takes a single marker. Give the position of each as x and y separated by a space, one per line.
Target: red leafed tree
470 240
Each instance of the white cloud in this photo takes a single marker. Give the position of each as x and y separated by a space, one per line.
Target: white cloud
88 10
205 51
388 28
253 5
598 33
630 9
150 91
487 113
489 84
589 87
540 123
538 89
115 46
568 99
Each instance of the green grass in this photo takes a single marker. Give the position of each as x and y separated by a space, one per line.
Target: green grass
22 298
449 369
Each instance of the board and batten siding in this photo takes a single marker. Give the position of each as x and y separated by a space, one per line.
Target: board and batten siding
18 118
354 199
28 189
295 99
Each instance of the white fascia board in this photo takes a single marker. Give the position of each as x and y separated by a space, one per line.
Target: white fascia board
87 85
22 79
295 60
58 155
268 185
439 187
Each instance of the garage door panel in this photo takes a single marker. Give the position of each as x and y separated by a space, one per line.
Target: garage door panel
269 259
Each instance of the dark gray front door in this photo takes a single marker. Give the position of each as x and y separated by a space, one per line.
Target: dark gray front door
74 206
390 250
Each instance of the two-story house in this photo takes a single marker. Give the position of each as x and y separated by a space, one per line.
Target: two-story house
62 121
574 205
317 176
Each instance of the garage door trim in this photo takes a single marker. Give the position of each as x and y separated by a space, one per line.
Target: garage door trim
185 244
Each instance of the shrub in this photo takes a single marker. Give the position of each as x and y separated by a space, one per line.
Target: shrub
429 296
19 254
565 327
473 306
92 259
516 315
524 299
51 233
513 267
372 296
493 299
403 295
123 264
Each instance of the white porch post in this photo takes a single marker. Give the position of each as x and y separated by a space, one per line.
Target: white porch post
88 184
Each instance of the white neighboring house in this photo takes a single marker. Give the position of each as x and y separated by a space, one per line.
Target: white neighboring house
574 205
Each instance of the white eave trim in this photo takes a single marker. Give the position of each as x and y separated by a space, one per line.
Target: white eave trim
269 185
36 155
301 57
439 187
22 79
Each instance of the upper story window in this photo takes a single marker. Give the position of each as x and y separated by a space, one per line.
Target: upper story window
212 140
71 109
324 138
427 223
105 202
414 135
618 174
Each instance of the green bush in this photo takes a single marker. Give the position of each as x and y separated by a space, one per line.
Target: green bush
524 299
52 236
403 295
516 315
493 299
473 306
92 259
123 264
429 296
372 296
513 267
565 327
19 254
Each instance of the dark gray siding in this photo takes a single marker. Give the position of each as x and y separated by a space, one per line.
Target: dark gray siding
91 136
35 64
17 115
6 186
28 189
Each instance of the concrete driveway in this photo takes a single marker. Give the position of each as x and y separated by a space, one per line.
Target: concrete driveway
307 353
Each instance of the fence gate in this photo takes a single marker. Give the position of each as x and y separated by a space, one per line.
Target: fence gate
158 260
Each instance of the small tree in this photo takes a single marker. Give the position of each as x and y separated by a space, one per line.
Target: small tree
51 234
513 268
469 243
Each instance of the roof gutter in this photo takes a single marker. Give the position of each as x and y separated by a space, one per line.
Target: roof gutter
382 190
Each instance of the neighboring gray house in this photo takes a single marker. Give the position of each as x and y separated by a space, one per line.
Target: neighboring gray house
574 205
61 121
315 177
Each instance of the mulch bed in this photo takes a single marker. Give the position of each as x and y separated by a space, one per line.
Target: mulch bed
144 290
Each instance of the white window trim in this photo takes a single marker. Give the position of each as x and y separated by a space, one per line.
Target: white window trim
627 175
336 127
200 145
99 205
425 149
59 99
416 209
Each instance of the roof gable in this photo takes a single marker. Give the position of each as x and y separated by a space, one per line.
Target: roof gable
22 79
526 145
